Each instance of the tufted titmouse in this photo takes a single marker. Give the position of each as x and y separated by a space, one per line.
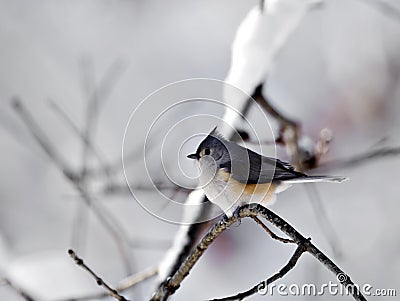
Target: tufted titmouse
232 175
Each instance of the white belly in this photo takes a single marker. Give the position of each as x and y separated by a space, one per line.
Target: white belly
229 194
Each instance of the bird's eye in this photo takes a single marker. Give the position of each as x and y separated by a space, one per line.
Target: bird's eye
207 151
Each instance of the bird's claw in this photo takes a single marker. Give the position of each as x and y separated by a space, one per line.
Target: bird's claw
236 215
224 220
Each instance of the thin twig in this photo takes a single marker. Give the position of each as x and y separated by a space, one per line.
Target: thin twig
19 291
384 7
115 188
272 234
95 100
262 5
323 219
261 287
172 284
68 120
112 292
79 226
361 158
42 139
266 104
135 279
151 244
109 223
289 129
123 285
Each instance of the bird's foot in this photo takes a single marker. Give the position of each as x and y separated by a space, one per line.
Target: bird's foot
236 215
224 220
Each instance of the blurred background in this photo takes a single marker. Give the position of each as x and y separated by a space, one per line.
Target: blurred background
339 70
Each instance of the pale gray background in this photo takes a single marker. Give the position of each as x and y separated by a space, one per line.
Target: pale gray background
337 70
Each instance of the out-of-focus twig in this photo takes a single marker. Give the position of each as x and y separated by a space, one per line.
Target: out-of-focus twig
96 99
385 7
261 287
303 156
114 188
323 219
123 285
262 5
170 286
112 292
288 128
109 223
43 141
153 244
26 296
362 158
81 215
97 94
68 120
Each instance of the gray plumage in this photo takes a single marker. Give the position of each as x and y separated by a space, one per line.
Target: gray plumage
229 172
248 167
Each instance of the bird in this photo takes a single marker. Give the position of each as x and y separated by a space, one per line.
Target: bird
232 175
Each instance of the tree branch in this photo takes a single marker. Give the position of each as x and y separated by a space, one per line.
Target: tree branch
385 8
19 291
264 284
112 292
288 128
42 139
272 234
68 120
109 223
172 284
323 219
356 160
124 285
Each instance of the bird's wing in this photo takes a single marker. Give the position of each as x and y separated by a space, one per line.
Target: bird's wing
259 169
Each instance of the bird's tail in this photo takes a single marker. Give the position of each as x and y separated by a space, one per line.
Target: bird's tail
311 179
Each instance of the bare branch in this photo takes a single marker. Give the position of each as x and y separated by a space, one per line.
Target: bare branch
323 219
151 244
289 129
112 292
124 285
42 139
79 226
262 5
264 284
385 8
96 100
123 188
361 158
68 120
272 234
110 224
19 291
266 104
135 279
172 284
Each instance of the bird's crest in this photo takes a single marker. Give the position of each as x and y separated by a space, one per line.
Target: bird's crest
214 133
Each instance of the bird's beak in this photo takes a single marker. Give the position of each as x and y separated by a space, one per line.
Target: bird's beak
193 156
